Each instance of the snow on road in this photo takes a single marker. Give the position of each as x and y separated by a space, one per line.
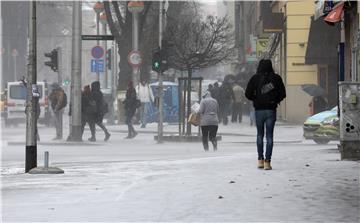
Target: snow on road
142 181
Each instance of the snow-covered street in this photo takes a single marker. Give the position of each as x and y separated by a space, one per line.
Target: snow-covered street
139 180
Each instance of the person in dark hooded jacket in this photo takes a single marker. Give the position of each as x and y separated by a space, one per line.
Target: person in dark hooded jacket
98 97
88 111
266 89
130 105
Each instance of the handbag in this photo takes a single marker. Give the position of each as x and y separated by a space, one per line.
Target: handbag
194 119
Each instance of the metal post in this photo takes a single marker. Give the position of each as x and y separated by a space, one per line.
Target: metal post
97 41
105 65
46 159
160 90
15 70
342 50
135 43
76 74
60 72
188 126
31 129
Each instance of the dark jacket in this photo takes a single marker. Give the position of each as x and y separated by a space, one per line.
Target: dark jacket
226 94
275 96
215 93
98 97
130 102
87 111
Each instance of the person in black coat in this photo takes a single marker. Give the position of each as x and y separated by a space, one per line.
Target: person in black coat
266 89
88 111
130 104
98 97
225 101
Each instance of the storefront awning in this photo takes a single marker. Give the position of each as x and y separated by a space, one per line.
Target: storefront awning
335 15
322 44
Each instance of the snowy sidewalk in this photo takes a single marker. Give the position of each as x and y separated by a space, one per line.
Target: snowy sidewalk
307 184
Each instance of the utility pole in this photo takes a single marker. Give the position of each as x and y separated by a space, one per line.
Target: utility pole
98 8
60 73
105 65
31 100
75 131
160 90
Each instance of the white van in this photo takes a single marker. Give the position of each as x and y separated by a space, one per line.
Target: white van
15 103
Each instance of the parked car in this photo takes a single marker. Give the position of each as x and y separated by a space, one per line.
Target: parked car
322 127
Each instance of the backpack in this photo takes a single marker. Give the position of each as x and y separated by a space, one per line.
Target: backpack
266 92
64 101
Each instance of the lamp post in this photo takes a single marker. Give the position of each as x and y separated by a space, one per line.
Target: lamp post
135 7
98 8
104 23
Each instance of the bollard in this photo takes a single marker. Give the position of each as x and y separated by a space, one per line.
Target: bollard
46 159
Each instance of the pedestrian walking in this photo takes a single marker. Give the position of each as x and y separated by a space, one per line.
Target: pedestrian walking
237 106
101 109
146 97
131 103
209 121
88 111
58 101
225 101
266 89
215 93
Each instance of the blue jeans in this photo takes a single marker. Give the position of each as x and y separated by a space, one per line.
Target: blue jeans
265 118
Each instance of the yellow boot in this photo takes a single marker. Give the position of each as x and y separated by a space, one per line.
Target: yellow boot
267 165
260 164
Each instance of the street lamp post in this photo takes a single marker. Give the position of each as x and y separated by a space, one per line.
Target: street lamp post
98 8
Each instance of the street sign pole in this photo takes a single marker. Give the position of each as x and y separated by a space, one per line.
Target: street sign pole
76 133
160 91
31 100
97 41
60 81
135 7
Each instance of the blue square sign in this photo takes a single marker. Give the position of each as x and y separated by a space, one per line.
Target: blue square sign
97 65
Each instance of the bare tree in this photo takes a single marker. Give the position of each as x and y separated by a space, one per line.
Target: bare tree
120 23
200 43
197 43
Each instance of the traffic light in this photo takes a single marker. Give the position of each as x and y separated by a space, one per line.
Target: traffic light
66 82
108 59
156 60
53 63
159 60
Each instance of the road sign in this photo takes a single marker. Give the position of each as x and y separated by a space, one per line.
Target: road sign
97 37
97 52
97 65
135 6
134 58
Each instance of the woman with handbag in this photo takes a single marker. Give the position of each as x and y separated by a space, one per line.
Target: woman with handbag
131 103
209 121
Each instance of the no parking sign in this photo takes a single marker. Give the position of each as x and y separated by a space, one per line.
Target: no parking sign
97 52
